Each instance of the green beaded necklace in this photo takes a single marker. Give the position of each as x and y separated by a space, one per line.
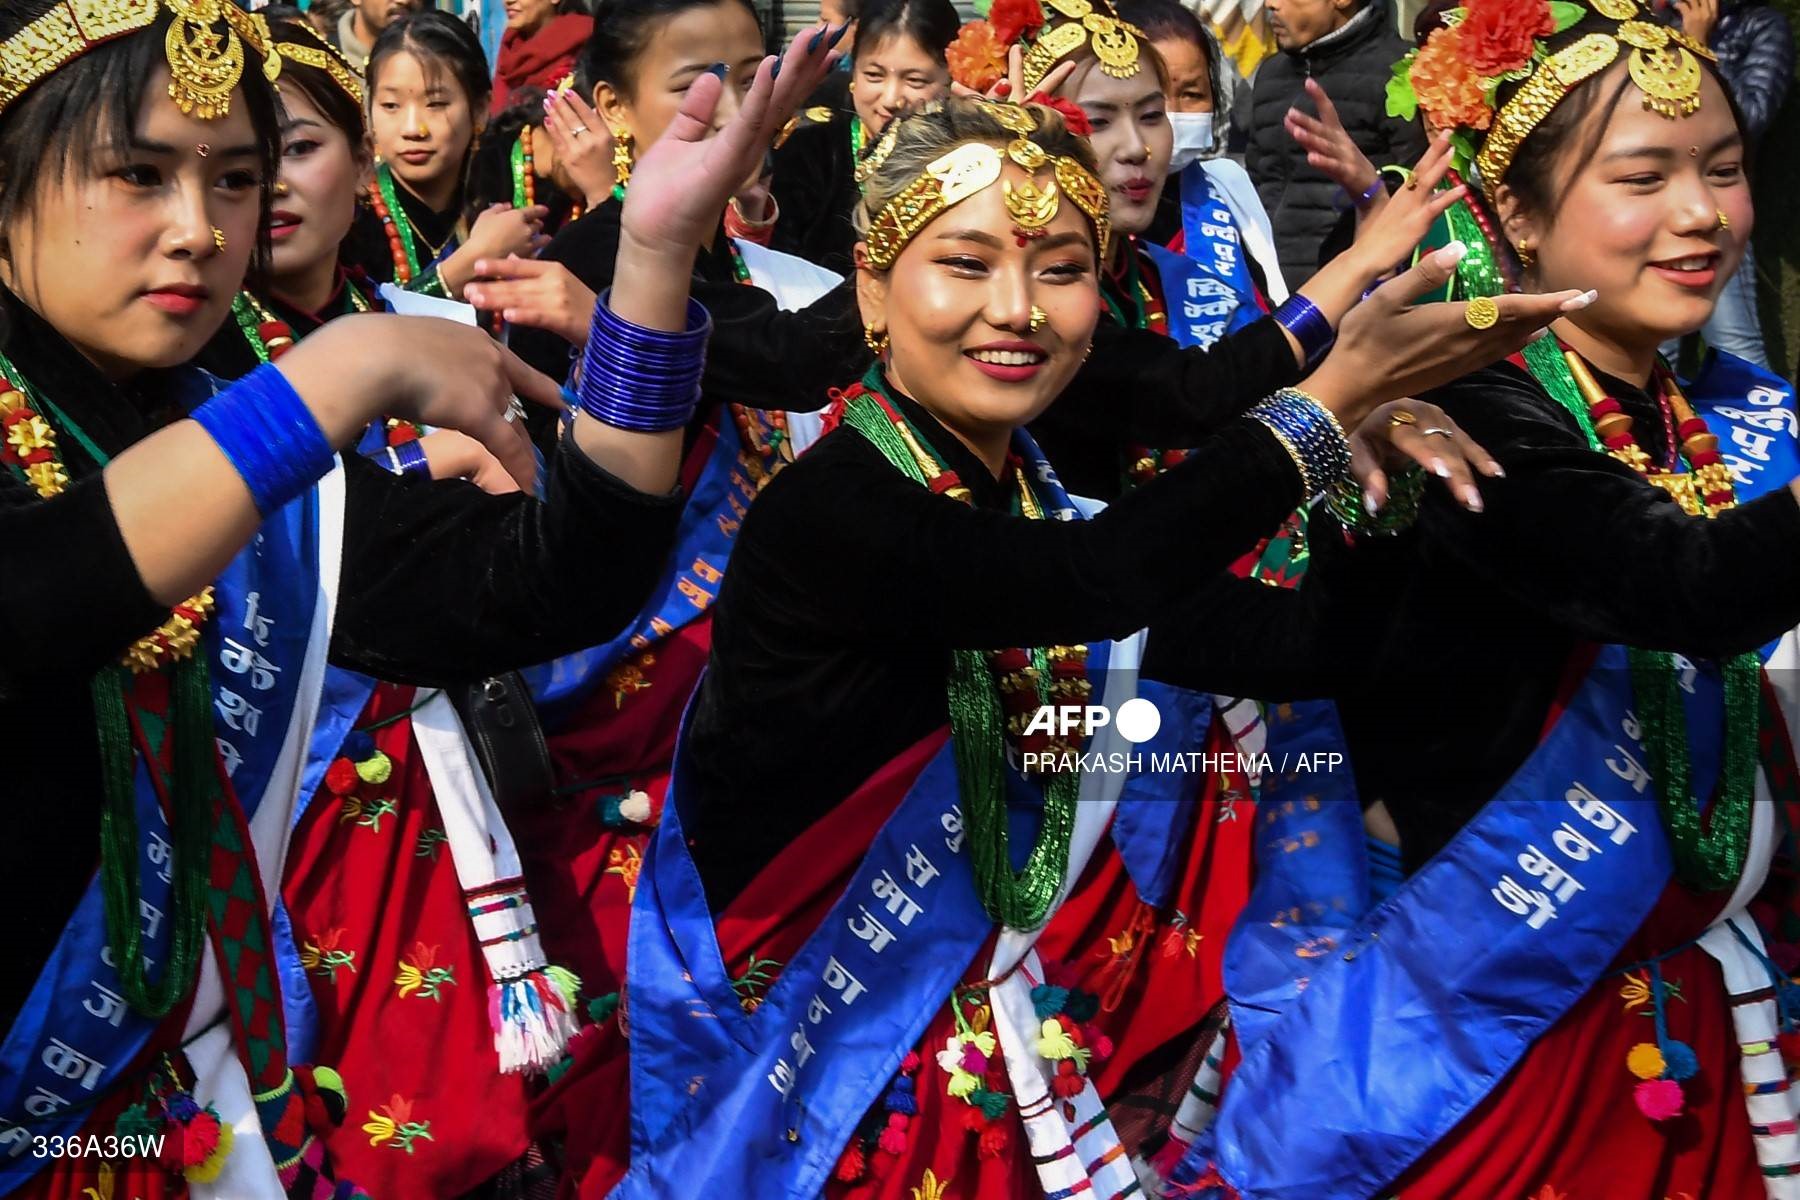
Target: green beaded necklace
1709 853
194 795
1022 899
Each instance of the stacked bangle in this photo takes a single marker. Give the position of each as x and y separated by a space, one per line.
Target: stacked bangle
646 380
1405 491
1310 434
1302 318
408 458
269 436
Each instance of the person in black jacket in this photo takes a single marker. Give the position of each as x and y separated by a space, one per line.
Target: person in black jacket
1351 52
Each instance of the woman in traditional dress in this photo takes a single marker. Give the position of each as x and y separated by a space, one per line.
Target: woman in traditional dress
1571 994
428 88
149 1005
897 65
810 1054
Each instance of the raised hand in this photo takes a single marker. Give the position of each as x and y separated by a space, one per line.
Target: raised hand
1328 145
1389 347
1402 433
680 185
1388 237
583 145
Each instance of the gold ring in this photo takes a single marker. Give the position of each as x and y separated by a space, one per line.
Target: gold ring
1482 313
1401 416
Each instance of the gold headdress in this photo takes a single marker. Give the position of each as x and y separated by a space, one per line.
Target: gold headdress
954 177
319 54
1091 23
205 46
1453 78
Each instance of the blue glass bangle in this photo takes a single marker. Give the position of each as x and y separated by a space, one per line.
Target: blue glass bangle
647 380
269 436
1302 318
408 458
1310 434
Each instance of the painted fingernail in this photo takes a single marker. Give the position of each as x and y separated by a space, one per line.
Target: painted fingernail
775 71
1371 505
548 102
839 35
717 71
1577 303
1496 470
1472 501
1452 254
549 119
1439 469
812 45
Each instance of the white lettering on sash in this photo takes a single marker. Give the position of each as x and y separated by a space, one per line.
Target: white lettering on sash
152 917
240 659
112 1005
919 869
870 930
1631 771
71 1063
953 825
1516 899
14 1137
1573 843
847 986
816 1009
158 854
899 904
228 754
238 712
261 628
1755 445
803 1049
1600 814
1536 863
782 1077
44 1103
1773 420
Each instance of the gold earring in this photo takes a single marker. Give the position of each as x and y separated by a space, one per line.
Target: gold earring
1038 317
621 156
218 238
877 342
1526 257
1724 221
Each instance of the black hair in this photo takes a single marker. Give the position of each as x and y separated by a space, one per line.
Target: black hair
1573 131
931 24
325 93
436 39
93 102
490 167
622 29
1167 20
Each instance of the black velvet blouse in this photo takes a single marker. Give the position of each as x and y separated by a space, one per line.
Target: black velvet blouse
1445 648
440 583
815 195
366 246
850 585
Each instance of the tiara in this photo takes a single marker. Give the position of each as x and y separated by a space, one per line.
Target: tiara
321 57
205 47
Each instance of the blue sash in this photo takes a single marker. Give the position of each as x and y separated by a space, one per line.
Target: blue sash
1209 289
689 585
75 1036
720 1097
1156 809
1486 947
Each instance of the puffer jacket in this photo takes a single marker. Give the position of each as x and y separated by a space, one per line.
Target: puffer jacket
1755 46
1353 64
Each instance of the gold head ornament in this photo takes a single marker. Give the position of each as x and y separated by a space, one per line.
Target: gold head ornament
962 172
320 55
1072 24
205 46
1454 80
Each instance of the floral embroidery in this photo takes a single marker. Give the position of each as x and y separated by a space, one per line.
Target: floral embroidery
320 955
430 841
930 1188
1636 991
367 815
625 861
394 1126
1181 936
754 983
627 679
420 973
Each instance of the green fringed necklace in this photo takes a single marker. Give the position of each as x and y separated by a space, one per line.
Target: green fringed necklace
979 718
1709 851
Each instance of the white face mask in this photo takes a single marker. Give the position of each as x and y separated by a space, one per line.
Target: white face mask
1193 139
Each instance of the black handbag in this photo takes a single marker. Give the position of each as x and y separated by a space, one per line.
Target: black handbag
502 724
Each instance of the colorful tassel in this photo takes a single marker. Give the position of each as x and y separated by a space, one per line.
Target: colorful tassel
533 1018
1659 1099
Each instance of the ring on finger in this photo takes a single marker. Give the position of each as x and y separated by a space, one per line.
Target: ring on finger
1434 431
1482 313
1402 417
578 130
515 408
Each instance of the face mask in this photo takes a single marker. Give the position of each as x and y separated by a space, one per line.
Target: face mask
1193 139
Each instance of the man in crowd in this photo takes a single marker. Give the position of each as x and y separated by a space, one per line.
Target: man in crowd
363 22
